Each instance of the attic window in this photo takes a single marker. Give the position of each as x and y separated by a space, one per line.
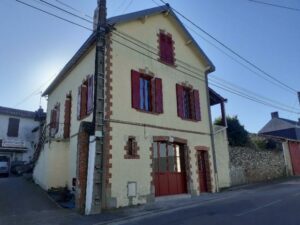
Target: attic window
166 48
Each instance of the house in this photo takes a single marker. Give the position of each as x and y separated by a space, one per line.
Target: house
288 131
159 139
17 136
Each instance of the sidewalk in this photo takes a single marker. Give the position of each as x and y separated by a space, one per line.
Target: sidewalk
161 206
167 205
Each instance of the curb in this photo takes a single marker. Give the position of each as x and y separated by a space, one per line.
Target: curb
160 211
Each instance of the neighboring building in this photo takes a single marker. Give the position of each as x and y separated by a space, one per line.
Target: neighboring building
159 139
289 132
17 136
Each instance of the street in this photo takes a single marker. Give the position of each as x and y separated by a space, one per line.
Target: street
277 204
24 203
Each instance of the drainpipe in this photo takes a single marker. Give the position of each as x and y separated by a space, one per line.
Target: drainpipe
207 71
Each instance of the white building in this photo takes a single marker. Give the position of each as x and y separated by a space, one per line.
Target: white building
17 136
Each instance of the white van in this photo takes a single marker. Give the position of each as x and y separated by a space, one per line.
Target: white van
4 168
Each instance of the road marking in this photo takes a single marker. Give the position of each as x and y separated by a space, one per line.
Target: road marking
258 208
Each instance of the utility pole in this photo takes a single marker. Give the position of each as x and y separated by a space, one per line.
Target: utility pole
98 114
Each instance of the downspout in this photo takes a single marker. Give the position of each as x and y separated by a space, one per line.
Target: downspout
207 71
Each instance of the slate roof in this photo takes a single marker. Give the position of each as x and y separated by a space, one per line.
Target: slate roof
282 128
123 19
16 112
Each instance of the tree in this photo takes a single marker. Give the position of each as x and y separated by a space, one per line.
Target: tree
237 134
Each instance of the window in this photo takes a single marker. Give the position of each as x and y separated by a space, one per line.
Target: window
85 98
166 48
146 92
54 119
13 127
67 121
188 103
131 148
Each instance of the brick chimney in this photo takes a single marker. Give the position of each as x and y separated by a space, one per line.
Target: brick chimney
274 115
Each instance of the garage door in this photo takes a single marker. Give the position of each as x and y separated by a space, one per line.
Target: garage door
169 169
295 157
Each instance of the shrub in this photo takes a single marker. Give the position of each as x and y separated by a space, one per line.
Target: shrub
237 134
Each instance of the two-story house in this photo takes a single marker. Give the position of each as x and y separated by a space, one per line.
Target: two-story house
159 140
17 137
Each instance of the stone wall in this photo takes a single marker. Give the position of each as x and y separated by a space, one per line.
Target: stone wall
250 165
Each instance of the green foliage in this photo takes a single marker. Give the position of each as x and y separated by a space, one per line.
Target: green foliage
237 135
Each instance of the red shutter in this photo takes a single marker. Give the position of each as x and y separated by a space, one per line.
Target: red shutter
169 50
197 105
57 110
135 89
179 95
158 96
162 46
192 105
90 100
83 102
79 103
67 121
52 119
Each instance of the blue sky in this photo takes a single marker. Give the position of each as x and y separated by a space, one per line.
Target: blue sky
34 47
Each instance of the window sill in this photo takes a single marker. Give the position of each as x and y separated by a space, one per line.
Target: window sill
191 120
167 64
131 157
149 112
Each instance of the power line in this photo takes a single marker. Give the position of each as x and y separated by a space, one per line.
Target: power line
240 63
274 5
61 9
52 14
70 7
224 88
196 74
35 92
230 49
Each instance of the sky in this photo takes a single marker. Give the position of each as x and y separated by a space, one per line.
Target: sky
34 47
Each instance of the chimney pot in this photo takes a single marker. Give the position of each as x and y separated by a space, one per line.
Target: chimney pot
274 115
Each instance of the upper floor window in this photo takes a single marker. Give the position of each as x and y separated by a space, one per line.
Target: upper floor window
85 100
188 103
54 119
13 127
67 119
146 92
166 48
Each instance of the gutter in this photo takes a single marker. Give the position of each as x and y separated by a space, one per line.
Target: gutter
208 70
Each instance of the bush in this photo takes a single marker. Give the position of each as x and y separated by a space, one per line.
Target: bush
237 135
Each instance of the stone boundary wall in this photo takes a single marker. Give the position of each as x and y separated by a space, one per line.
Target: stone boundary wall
249 165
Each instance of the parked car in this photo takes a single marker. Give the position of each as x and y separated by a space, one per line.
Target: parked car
4 168
26 168
14 166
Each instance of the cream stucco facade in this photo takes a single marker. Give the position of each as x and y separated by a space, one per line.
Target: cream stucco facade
58 162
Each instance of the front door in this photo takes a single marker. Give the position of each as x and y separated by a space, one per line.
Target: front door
169 169
294 148
203 168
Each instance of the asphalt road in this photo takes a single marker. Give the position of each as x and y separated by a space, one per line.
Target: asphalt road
24 203
277 204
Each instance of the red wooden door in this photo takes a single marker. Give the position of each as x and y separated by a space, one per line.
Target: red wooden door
294 148
169 169
203 169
